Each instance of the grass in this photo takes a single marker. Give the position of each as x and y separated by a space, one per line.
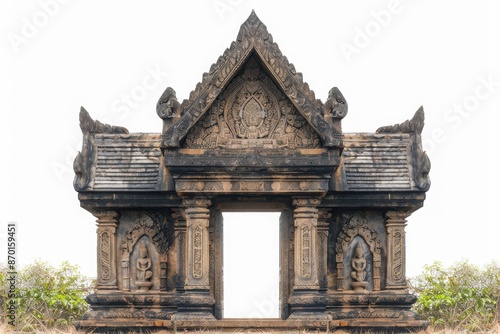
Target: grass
4 328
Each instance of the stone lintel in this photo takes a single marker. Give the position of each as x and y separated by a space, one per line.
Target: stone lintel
285 185
143 200
399 200
265 161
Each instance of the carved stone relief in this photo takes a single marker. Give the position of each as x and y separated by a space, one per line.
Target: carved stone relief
360 279
144 254
395 226
306 244
253 37
106 249
251 131
197 237
252 112
356 232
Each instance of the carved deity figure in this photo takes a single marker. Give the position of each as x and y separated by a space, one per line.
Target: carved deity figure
144 265
358 273
358 265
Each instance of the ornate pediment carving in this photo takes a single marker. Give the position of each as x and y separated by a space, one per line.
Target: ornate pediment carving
252 112
255 44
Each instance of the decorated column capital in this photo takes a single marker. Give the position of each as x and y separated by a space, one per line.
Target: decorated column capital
106 217
394 217
306 202
107 221
196 202
396 249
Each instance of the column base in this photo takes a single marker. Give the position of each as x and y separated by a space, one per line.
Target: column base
309 304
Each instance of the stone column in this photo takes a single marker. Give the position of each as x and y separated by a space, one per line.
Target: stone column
197 237
306 302
106 250
306 244
396 250
179 216
323 226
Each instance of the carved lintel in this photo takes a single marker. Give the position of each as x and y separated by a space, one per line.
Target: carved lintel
197 237
107 221
396 250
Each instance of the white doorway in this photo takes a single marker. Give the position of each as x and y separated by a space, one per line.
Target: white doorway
251 265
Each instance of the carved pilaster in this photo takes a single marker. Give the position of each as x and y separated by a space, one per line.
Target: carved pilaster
306 244
323 216
106 250
396 250
179 216
197 237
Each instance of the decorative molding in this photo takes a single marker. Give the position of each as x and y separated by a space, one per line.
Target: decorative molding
153 227
198 246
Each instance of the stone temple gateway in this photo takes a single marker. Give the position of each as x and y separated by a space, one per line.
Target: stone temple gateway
251 137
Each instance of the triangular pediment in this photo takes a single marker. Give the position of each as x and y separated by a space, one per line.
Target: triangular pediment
254 45
252 112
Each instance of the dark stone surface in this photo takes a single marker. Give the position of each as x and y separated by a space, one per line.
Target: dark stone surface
252 136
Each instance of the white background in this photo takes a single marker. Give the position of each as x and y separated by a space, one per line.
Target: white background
388 59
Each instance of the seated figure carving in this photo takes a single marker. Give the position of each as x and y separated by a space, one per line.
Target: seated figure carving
144 264
358 274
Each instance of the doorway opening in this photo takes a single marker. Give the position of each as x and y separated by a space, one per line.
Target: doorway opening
251 274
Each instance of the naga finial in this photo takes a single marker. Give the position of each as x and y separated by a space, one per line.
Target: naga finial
335 106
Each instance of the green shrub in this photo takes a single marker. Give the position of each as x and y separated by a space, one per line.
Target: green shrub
47 297
463 296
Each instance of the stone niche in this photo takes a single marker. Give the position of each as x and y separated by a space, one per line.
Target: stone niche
252 136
